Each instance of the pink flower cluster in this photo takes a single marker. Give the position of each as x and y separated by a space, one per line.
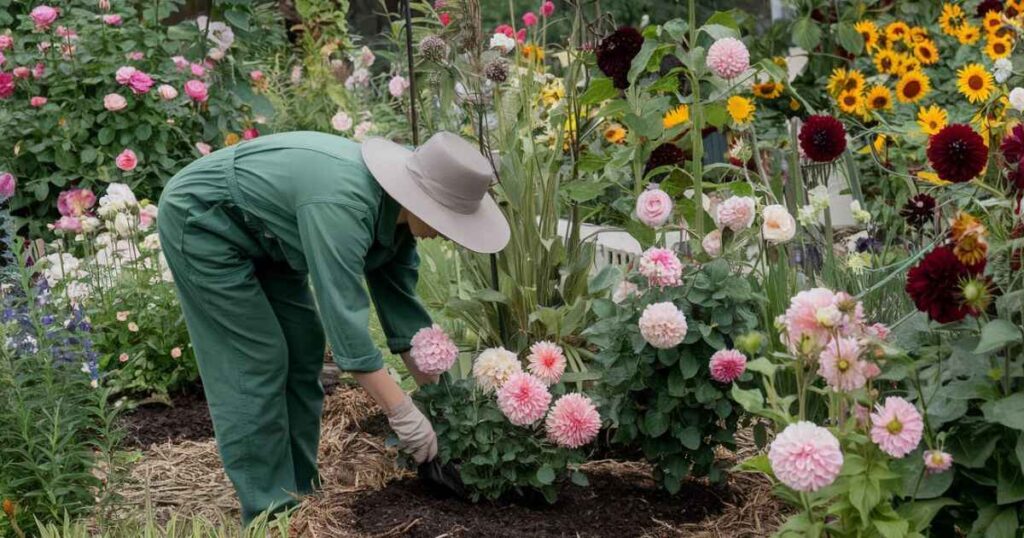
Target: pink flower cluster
546 361
663 325
139 82
815 315
805 457
896 427
433 351
661 267
573 421
727 365
523 399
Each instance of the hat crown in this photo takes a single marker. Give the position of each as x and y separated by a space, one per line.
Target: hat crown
452 172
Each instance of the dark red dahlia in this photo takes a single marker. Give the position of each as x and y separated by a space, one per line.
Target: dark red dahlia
1013 145
934 285
1017 175
957 153
616 52
989 5
822 138
664 155
919 210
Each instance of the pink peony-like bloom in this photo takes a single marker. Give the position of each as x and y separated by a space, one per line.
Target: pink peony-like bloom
432 350
197 70
654 207
736 213
147 216
6 85
546 361
68 224
663 325
114 102
547 8
167 92
397 86
75 202
937 461
180 63
7 185
6 42
712 243
841 366
43 16
341 121
529 19
37 101
728 58
140 83
123 75
878 330
112 20
21 72
127 160
250 133
661 267
804 332
196 90
727 365
573 421
203 148
523 399
805 457
39 70
176 353
896 427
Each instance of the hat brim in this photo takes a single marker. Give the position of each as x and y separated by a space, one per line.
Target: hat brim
485 230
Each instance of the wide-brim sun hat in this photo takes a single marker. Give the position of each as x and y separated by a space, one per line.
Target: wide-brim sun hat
445 184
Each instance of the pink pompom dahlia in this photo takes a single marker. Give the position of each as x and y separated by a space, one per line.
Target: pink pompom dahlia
841 366
663 325
432 350
662 267
727 365
896 427
804 331
573 421
546 361
937 461
805 457
523 399
495 366
728 58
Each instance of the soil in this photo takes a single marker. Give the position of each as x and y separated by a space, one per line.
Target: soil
621 502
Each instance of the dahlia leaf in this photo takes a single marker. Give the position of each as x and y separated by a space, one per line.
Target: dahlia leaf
600 90
545 475
921 513
1009 411
997 334
639 64
806 34
579 479
849 38
1010 488
718 31
892 529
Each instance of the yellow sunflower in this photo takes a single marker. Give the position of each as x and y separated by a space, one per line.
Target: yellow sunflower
932 119
993 22
975 82
767 90
968 34
677 116
842 80
879 98
951 18
912 87
869 32
886 61
851 102
907 64
996 48
926 52
918 34
1013 8
615 133
741 109
897 31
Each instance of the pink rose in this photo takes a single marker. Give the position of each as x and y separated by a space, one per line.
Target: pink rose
7 185
114 102
112 20
653 207
180 63
176 353
22 72
736 213
39 70
140 83
529 19
68 224
37 101
75 202
196 91
43 46
250 133
127 160
147 216
197 70
6 85
6 41
203 148
135 55
547 8
256 75
124 74
712 243
398 85
123 357
43 16
167 92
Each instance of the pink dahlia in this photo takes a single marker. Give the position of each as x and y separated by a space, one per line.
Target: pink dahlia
432 350
841 366
805 457
727 365
736 213
523 399
663 325
804 332
896 427
546 361
937 461
728 58
661 267
653 207
75 202
573 421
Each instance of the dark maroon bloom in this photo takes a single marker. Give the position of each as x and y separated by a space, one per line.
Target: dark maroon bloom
957 153
989 5
822 138
664 155
616 52
1013 145
934 285
919 210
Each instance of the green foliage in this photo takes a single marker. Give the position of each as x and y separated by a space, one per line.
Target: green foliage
664 402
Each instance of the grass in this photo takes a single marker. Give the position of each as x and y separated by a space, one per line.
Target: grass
178 526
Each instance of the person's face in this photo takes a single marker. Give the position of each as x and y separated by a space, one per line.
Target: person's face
420 229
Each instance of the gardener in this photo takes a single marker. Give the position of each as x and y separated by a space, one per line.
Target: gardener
247 229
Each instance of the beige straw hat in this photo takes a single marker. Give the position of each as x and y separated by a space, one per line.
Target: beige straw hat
444 183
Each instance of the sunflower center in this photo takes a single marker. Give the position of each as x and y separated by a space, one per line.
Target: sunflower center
933 124
912 88
851 84
850 100
925 52
880 102
894 426
975 82
999 48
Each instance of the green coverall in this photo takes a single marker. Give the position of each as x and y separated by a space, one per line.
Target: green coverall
244 229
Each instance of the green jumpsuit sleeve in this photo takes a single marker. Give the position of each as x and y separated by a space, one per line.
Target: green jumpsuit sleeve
393 287
335 238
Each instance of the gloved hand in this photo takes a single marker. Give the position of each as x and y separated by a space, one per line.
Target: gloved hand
415 434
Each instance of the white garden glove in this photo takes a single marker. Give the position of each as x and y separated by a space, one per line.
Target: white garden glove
415 434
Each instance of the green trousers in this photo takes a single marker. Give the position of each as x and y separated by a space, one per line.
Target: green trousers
257 336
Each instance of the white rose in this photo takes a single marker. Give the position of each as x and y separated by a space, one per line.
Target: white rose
502 42
1017 99
779 226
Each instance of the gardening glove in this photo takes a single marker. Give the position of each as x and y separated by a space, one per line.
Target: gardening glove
415 434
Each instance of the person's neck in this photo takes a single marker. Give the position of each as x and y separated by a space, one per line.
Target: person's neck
403 216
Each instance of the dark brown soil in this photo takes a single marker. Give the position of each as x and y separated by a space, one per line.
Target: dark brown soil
187 419
620 502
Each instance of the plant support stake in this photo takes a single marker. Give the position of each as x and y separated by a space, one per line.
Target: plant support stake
413 120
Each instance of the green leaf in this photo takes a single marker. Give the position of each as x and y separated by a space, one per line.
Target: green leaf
849 38
143 132
676 29
921 513
546 475
996 335
762 366
806 34
690 437
716 115
655 423
584 191
640 61
864 496
607 277
1004 525
579 479
88 155
718 31
1010 488
599 90
1009 411
488 295
238 18
892 529
750 399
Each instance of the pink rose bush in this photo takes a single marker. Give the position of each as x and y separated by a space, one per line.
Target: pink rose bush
197 91
736 213
43 16
126 160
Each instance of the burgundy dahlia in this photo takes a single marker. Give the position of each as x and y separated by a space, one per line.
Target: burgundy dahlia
822 138
934 285
1013 145
989 5
616 52
957 153
919 210
664 155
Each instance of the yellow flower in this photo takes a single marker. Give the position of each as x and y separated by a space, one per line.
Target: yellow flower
975 82
767 90
907 64
918 34
932 119
869 32
552 92
879 98
968 34
781 62
897 31
794 105
968 234
912 87
997 48
887 61
926 52
842 80
993 22
533 52
933 178
231 139
951 18
741 109
615 133
851 102
677 116
881 142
